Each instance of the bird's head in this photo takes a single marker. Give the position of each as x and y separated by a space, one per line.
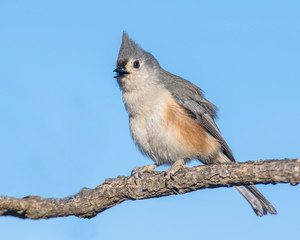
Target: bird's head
134 65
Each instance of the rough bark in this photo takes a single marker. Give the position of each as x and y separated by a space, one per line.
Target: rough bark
89 202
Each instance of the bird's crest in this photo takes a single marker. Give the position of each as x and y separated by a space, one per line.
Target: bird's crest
129 49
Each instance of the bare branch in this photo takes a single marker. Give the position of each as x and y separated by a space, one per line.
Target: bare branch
89 202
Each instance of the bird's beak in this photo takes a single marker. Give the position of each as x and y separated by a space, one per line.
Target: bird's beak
120 72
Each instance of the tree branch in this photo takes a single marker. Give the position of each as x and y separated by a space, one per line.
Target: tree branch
89 202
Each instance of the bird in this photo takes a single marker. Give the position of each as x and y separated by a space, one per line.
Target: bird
170 120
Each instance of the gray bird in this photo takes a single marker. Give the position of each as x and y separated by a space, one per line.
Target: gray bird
170 120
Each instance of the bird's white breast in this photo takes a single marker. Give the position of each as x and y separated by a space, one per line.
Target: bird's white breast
146 109
148 126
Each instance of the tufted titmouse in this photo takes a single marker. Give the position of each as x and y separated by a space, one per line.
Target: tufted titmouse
170 120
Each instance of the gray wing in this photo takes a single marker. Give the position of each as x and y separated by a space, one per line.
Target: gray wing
191 98
210 126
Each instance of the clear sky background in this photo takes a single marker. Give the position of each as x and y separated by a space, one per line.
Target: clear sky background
63 125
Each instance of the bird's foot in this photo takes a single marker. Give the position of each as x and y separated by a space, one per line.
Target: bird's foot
141 170
179 164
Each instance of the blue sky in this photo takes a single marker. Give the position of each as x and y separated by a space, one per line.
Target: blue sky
63 125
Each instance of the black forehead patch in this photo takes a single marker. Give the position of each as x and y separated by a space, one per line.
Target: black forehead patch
122 63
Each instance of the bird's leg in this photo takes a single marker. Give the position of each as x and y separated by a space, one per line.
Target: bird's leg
140 170
175 167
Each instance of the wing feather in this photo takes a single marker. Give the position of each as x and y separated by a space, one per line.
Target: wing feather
190 97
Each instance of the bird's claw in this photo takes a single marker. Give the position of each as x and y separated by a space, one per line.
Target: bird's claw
170 172
141 170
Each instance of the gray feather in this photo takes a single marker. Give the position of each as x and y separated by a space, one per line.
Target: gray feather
129 50
191 98
258 202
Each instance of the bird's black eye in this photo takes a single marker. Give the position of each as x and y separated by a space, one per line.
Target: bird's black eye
136 64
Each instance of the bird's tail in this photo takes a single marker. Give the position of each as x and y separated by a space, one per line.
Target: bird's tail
258 202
